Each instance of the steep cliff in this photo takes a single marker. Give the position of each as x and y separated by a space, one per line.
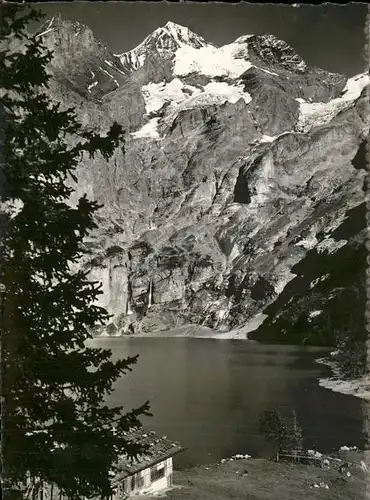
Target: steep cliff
238 163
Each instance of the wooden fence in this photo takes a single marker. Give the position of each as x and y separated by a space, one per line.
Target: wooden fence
299 457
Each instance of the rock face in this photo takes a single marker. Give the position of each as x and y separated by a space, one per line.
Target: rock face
236 158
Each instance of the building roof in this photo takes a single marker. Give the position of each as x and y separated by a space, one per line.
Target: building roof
160 448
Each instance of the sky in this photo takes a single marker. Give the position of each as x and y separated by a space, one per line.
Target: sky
328 36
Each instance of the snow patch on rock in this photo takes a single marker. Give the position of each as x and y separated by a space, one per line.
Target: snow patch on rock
313 314
318 280
308 243
107 73
272 138
94 84
48 28
114 67
44 32
330 245
149 130
266 71
314 114
268 138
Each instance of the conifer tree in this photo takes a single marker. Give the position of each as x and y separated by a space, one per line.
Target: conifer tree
286 435
56 427
273 427
295 434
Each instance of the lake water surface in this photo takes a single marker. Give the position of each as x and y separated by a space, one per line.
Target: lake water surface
208 394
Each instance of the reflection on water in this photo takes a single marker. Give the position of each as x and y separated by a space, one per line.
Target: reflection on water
208 394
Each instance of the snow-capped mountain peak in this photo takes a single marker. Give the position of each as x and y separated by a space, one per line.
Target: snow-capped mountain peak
171 36
243 39
164 40
182 35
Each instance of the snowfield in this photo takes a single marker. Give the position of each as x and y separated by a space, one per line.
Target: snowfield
230 93
176 92
157 94
212 61
217 96
320 113
181 97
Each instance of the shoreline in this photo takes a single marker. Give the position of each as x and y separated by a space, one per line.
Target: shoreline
359 387
200 332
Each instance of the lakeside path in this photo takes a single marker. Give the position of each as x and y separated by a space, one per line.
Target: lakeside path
262 479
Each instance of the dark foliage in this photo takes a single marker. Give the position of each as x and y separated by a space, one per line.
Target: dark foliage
285 433
55 424
274 428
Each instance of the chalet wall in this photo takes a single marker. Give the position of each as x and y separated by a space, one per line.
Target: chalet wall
150 480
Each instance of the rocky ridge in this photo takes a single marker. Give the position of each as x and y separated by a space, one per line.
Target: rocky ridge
236 158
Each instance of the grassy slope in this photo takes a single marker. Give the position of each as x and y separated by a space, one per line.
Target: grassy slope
268 480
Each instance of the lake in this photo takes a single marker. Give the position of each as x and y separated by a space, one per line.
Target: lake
208 394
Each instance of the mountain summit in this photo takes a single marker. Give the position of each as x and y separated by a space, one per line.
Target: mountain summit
237 163
162 41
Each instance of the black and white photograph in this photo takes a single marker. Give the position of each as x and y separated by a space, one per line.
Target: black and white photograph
183 251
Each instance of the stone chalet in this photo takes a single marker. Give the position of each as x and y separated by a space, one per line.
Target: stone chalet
150 473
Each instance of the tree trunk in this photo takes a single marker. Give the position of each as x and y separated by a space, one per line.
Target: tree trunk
365 408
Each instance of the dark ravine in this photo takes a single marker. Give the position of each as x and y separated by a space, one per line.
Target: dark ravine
235 194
